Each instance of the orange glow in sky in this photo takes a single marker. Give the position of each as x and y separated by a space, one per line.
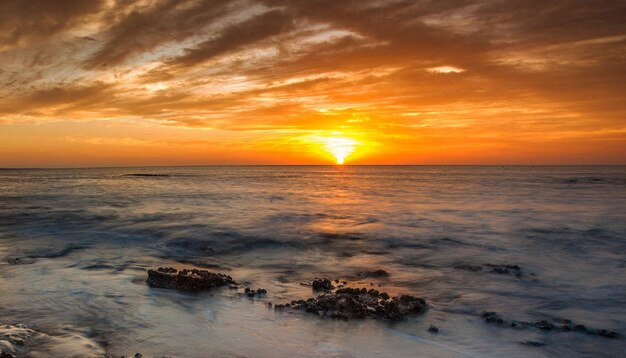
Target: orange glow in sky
117 83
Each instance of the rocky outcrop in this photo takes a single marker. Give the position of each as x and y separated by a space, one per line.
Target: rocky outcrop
320 284
375 274
347 303
505 269
186 280
564 325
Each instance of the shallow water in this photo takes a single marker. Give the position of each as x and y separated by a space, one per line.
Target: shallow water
75 246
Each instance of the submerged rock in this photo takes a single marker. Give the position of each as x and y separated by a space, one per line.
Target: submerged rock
565 325
186 280
432 329
376 273
507 269
346 303
250 292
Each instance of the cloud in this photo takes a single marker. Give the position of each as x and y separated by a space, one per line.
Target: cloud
22 21
499 69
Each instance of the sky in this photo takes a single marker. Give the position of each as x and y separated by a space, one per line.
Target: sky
163 82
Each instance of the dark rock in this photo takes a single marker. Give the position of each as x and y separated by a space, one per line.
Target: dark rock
607 334
506 269
320 284
186 280
491 317
564 325
6 355
249 292
473 268
138 355
377 273
533 344
432 329
346 303
544 325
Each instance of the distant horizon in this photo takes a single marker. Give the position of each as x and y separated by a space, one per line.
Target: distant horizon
316 165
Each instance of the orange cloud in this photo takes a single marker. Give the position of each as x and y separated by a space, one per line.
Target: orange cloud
270 81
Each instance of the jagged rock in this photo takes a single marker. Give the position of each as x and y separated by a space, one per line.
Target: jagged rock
376 273
473 268
507 269
565 325
320 284
6 355
249 292
349 303
491 317
432 329
186 280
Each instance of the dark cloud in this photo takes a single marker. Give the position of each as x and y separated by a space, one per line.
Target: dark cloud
145 28
24 20
236 36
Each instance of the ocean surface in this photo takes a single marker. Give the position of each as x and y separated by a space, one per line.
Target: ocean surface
75 245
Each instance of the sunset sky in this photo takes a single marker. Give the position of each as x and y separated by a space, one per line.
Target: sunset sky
122 82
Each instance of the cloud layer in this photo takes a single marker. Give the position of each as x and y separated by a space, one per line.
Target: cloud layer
214 81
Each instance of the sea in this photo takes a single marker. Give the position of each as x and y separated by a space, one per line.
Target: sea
530 243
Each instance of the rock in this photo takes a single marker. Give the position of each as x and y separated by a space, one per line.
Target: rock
564 325
507 269
544 325
606 334
375 274
346 303
138 355
473 268
6 355
491 317
533 344
320 284
186 280
432 329
249 292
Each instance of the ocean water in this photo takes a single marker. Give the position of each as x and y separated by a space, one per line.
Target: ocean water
75 245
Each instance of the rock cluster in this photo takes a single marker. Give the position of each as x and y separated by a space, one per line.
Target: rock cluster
375 274
186 280
250 292
320 284
565 325
507 269
346 303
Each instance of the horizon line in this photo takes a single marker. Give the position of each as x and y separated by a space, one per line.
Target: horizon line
310 165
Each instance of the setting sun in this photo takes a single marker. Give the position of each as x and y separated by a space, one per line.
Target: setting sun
340 147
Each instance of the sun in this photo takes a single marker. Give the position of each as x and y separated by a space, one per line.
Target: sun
340 147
